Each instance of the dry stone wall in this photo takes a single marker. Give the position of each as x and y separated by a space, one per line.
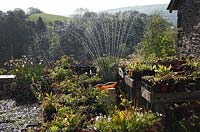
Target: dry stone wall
188 38
189 43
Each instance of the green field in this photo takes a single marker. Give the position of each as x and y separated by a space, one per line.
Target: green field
47 18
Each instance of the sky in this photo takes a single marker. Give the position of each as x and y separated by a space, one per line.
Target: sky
67 7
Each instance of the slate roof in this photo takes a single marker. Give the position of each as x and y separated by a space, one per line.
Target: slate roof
173 5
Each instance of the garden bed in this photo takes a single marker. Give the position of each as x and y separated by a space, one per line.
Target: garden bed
164 81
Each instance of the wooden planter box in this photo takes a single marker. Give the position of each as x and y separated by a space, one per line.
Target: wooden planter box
129 81
132 87
134 91
158 96
153 97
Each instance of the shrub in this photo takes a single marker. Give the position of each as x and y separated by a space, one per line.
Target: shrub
27 70
159 38
22 90
2 71
185 118
76 109
128 120
107 68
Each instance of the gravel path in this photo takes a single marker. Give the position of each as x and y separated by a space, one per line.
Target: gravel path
15 118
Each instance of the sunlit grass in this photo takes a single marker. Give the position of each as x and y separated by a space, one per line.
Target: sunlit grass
47 18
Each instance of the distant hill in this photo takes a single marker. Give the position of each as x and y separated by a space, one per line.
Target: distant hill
47 18
150 9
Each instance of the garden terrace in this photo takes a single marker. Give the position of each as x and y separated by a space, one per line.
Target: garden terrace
94 93
167 81
64 99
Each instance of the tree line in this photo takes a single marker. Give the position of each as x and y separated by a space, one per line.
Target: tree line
20 36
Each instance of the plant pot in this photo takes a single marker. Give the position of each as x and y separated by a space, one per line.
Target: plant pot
106 85
163 88
48 113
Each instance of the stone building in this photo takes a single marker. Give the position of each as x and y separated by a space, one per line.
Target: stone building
188 25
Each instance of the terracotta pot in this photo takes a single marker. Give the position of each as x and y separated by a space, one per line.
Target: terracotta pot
107 85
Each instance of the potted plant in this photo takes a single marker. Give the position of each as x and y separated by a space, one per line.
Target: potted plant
49 108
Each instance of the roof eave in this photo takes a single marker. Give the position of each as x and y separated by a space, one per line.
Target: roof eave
171 6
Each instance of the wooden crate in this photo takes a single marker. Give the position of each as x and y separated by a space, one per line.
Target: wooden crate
129 81
134 91
152 97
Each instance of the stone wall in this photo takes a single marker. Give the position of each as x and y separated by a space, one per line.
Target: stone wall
190 43
188 31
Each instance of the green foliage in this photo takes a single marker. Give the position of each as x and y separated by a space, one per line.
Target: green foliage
2 71
48 18
16 35
41 27
90 80
107 68
61 73
32 10
61 70
54 78
21 37
55 42
76 108
138 66
67 105
161 70
25 72
101 26
128 120
159 38
49 100
66 120
184 117
174 75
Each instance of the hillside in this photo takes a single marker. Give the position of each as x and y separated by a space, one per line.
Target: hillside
47 18
149 9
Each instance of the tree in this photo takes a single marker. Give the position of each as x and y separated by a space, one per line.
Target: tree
41 40
81 11
105 29
32 10
40 25
159 38
15 35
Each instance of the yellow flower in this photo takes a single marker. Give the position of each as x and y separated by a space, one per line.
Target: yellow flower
121 115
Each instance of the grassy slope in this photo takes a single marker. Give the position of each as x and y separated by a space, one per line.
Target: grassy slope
47 18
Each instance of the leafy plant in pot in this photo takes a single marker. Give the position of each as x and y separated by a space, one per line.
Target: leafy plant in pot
49 108
162 73
137 70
